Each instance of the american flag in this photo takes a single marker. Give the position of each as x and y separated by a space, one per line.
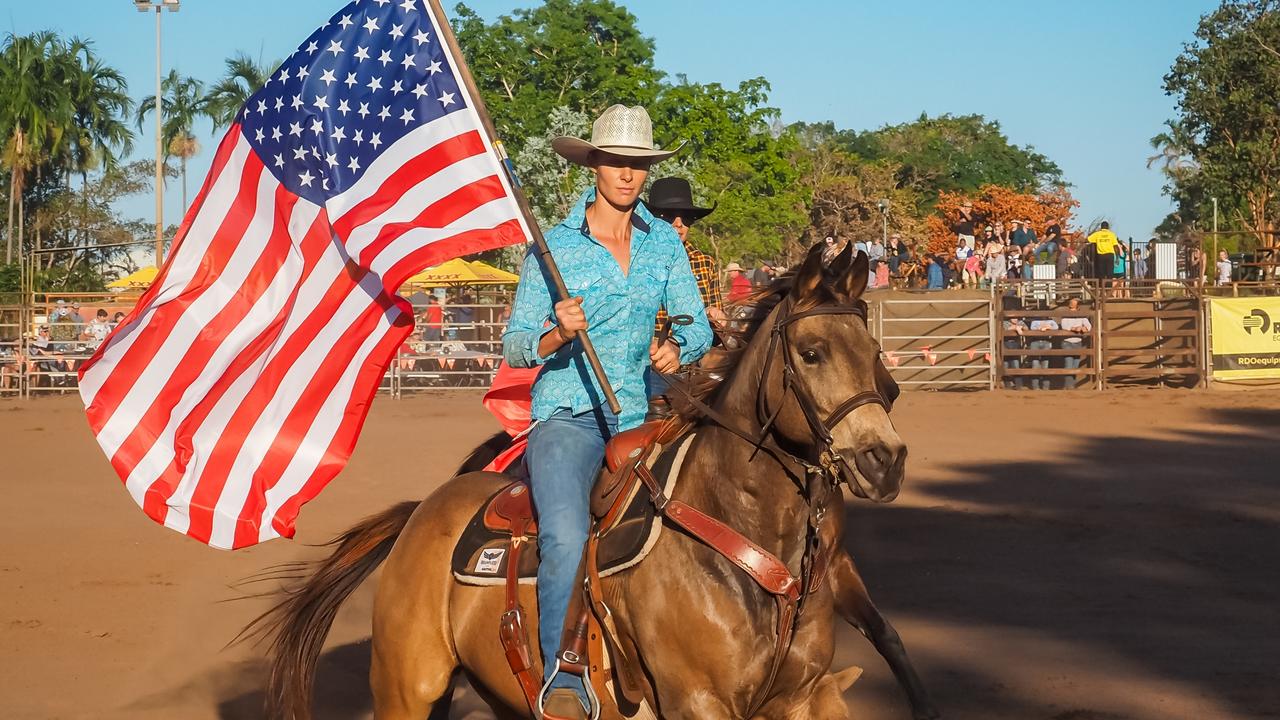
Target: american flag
236 389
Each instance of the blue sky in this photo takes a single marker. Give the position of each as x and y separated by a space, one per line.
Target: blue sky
1079 81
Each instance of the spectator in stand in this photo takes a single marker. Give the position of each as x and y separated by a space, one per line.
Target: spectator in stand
882 275
117 319
1079 324
97 330
962 253
989 238
739 285
933 271
972 270
861 247
1104 244
1151 259
433 323
900 253
877 259
997 266
1196 264
464 315
965 224
762 275
1224 268
60 311
1139 265
1041 362
1032 240
1018 234
1047 251
1018 327
1028 262
1013 260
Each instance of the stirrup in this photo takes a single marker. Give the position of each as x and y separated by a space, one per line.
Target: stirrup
593 711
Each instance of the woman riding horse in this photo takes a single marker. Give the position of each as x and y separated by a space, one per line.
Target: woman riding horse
620 264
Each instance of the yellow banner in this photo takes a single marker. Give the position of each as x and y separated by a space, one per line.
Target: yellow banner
1246 338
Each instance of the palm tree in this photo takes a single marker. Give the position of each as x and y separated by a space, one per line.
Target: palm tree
184 103
243 78
1172 153
99 135
36 110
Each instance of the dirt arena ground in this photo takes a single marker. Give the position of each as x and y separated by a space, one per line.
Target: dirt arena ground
1055 556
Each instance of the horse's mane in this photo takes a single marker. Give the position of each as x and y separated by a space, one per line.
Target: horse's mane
705 379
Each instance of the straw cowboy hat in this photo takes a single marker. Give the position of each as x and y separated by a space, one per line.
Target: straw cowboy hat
620 130
673 195
733 267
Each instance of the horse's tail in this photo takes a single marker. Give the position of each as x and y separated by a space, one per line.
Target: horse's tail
480 458
296 627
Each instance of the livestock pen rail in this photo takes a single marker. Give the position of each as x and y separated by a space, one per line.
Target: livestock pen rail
1138 333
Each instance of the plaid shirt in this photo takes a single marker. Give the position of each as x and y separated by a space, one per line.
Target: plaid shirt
704 271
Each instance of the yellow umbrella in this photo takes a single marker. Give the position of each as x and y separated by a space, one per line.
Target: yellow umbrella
459 272
493 274
140 279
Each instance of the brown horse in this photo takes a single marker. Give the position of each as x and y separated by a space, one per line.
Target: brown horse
704 633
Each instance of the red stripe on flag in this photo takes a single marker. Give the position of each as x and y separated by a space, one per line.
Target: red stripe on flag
225 149
150 339
210 338
314 243
413 172
439 214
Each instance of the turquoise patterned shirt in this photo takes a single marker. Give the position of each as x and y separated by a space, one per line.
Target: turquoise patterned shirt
620 310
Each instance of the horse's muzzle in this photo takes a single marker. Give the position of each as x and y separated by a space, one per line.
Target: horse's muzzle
881 466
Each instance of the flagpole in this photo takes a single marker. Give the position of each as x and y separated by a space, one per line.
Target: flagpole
538 240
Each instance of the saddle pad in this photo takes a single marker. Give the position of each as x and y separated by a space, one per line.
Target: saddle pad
480 555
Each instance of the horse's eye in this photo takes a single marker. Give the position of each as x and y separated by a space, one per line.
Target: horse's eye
810 357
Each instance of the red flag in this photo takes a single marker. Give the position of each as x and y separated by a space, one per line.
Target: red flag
238 386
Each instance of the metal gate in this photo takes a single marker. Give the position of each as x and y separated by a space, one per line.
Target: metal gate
936 344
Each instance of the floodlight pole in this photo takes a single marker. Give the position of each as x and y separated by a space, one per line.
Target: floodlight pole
158 6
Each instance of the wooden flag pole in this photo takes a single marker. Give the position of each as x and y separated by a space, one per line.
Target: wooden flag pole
538 240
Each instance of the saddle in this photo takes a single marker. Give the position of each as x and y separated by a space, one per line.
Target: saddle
624 516
625 527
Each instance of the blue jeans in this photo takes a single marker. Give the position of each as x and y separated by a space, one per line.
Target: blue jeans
1071 363
1040 363
1013 362
564 457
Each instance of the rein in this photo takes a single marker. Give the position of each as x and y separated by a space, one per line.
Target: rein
821 477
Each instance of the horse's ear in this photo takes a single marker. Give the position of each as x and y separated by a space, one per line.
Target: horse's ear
854 281
810 275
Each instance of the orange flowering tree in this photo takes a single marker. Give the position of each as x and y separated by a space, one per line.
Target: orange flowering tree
992 203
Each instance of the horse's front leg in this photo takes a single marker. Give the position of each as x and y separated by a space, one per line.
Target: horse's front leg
827 701
853 603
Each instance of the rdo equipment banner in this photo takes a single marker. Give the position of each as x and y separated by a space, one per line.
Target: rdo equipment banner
1246 338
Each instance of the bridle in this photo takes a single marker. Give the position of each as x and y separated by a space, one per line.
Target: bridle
827 459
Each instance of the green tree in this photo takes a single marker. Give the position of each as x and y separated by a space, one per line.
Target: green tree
1227 87
36 110
954 154
583 55
184 104
243 78
735 159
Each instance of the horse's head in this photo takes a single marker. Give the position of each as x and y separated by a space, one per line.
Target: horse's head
823 378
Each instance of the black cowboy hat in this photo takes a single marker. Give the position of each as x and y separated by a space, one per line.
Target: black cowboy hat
673 195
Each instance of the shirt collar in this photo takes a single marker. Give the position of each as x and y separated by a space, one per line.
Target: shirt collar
641 218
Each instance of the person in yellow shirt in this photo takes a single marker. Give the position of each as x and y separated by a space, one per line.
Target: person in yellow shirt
1104 244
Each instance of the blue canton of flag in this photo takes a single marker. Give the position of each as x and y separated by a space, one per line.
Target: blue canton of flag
368 77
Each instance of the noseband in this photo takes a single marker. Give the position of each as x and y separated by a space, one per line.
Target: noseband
830 461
